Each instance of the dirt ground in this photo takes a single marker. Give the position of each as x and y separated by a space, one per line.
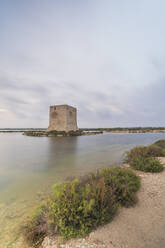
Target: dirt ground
142 226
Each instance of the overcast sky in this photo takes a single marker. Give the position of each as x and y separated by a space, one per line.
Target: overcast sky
105 57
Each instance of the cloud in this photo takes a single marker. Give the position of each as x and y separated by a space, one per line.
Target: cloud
105 58
3 110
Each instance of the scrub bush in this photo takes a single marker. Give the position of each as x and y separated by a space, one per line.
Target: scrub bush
136 152
143 152
146 164
77 207
124 184
160 143
81 205
36 227
153 165
155 151
144 158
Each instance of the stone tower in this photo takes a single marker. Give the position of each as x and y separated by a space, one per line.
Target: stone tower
62 118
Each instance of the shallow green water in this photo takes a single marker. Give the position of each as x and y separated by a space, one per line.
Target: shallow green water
30 165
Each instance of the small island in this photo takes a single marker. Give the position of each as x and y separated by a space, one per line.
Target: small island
62 122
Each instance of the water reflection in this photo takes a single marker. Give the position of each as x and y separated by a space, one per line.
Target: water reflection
60 149
4 182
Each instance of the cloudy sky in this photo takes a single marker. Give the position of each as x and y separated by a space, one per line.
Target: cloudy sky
105 57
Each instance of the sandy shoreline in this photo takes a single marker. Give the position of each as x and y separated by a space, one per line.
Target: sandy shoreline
142 226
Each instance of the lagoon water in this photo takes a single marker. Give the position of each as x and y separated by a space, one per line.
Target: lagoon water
30 165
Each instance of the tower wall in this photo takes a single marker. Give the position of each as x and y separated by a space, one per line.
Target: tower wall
62 118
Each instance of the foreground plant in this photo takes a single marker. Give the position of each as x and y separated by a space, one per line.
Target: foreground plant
125 184
36 226
144 158
77 207
160 143
146 164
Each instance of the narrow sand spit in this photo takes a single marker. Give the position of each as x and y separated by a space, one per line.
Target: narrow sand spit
142 226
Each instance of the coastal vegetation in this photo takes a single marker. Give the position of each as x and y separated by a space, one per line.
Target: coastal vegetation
77 207
160 143
144 158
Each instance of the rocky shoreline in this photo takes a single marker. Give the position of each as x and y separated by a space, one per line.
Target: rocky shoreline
82 132
58 133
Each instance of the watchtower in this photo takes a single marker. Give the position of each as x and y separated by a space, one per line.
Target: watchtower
62 118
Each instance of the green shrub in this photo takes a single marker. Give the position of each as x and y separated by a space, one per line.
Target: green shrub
124 184
138 163
144 158
136 152
153 165
143 152
77 207
36 227
155 151
81 205
160 143
146 164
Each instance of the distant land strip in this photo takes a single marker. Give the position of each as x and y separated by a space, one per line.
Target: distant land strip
111 130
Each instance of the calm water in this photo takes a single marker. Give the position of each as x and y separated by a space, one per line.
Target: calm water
30 165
